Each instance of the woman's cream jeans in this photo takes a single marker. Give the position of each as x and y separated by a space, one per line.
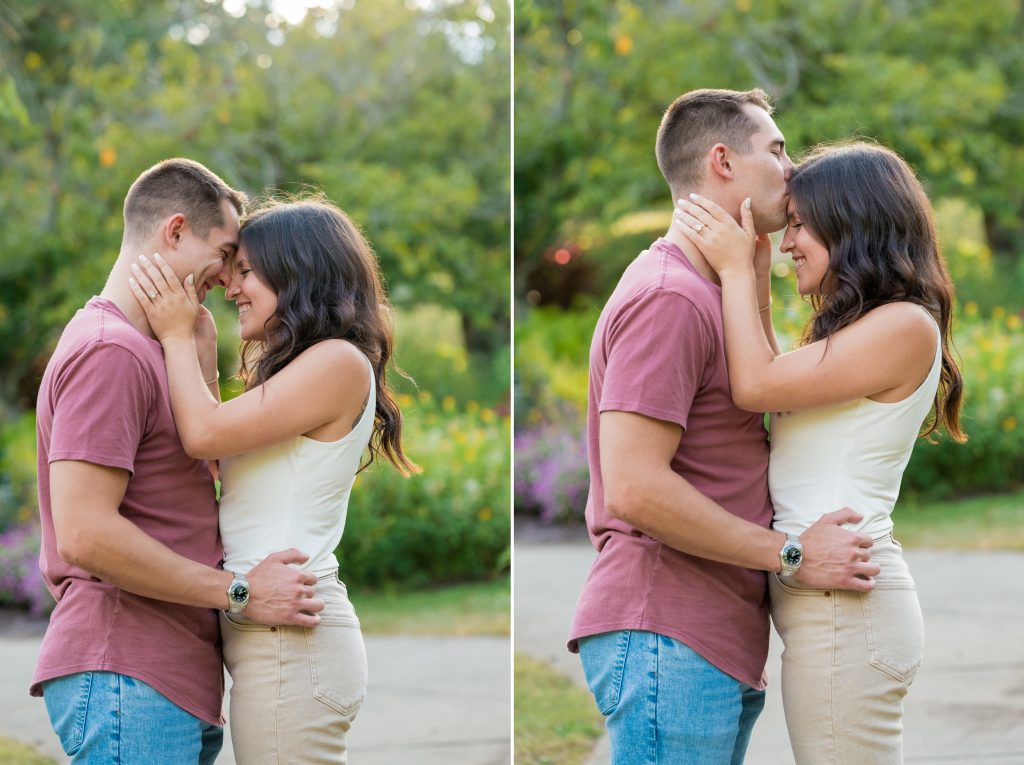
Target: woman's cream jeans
295 691
849 659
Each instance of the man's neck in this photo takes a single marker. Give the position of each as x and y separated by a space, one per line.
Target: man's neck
118 292
693 254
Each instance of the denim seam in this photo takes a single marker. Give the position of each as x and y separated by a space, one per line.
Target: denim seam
82 713
620 670
115 737
655 644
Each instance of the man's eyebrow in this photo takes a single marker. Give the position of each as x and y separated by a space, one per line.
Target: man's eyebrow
232 246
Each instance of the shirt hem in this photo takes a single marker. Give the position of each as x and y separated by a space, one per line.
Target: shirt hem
572 644
36 689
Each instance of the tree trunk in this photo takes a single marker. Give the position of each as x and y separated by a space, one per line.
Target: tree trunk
1005 242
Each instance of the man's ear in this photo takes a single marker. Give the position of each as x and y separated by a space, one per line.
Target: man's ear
720 161
173 230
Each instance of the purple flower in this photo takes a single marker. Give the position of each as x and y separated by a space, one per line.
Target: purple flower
552 477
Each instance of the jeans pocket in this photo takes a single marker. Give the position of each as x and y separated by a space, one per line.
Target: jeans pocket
337 662
67 703
895 632
604 664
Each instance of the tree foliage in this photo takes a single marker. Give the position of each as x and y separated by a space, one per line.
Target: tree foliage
399 111
939 82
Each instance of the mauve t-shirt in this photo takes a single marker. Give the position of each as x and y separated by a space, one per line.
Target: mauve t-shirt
104 400
658 350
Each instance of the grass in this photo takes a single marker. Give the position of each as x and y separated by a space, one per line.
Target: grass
556 722
16 753
979 523
482 608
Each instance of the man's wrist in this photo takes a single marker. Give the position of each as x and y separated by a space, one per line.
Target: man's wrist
238 594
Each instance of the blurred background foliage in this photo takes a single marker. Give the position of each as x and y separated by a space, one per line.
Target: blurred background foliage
941 83
398 111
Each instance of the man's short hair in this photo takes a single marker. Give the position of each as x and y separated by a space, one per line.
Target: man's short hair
698 120
177 186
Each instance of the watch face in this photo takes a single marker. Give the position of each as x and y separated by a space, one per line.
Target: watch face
792 555
239 593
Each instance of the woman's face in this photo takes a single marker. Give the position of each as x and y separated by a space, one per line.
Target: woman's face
255 300
810 256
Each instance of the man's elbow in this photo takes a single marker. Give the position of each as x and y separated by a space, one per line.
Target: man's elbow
77 548
623 500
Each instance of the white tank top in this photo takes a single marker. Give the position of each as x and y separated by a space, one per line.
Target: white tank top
851 454
291 494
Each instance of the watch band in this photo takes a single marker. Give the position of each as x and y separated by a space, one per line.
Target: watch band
238 594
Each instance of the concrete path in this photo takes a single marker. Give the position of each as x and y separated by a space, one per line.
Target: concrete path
433 701
965 707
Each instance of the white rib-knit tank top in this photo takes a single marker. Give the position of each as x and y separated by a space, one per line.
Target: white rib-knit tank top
291 494
851 454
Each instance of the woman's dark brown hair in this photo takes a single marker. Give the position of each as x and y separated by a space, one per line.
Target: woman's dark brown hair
867 207
328 286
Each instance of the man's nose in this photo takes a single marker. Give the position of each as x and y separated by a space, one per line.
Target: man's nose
787 168
224 277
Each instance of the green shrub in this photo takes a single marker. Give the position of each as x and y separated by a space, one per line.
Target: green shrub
449 524
551 366
18 497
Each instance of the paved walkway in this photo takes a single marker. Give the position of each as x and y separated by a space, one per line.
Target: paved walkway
433 701
965 707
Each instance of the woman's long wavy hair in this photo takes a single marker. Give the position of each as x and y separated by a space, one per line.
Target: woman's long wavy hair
867 207
328 285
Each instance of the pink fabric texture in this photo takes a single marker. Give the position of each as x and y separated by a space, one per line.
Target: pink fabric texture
658 350
104 400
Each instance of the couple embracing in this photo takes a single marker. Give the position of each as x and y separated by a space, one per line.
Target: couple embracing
149 575
699 535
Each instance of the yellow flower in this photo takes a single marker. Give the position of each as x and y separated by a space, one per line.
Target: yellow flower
998 312
1013 321
971 308
488 415
472 407
448 403
485 514
1010 423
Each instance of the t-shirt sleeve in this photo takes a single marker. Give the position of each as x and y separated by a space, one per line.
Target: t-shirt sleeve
100 407
657 350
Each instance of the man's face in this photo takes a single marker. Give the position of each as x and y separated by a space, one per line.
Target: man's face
207 258
762 174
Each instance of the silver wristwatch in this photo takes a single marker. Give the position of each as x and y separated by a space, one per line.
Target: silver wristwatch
238 594
791 555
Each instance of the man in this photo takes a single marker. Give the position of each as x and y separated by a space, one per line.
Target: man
130 666
672 623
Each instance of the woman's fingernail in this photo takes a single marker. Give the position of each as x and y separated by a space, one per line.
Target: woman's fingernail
746 203
142 258
131 281
135 267
693 196
156 256
189 278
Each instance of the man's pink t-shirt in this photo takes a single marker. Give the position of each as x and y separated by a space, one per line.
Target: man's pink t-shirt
658 350
104 400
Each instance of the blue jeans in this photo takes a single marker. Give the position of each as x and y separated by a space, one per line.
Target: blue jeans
665 703
103 718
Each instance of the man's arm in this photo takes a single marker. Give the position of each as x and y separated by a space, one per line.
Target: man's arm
641 489
93 535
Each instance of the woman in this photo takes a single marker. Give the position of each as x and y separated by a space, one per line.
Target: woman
849 404
317 341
